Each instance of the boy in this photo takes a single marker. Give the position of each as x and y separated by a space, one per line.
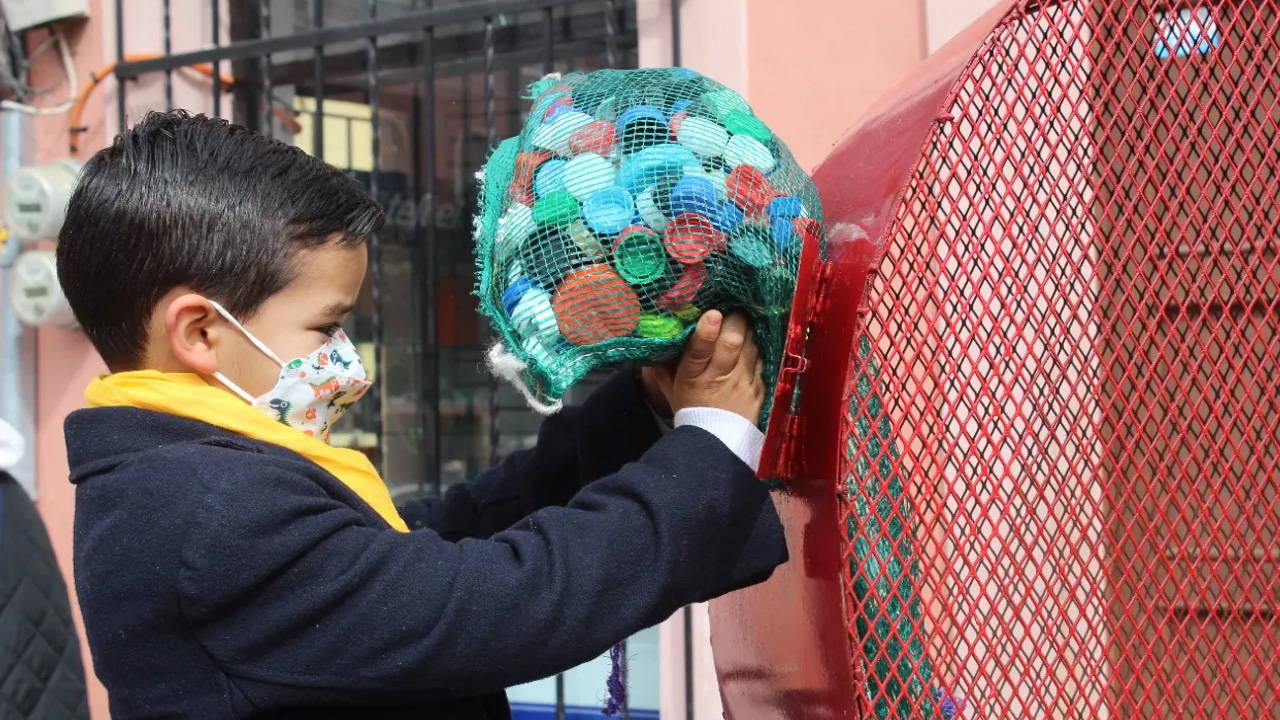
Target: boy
231 564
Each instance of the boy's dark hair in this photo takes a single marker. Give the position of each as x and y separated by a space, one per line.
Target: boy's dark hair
192 201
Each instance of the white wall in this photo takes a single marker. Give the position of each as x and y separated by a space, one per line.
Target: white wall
945 18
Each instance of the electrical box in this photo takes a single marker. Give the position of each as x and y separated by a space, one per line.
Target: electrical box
35 200
25 14
35 293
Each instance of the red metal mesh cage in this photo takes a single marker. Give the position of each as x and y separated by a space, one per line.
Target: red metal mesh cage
1069 401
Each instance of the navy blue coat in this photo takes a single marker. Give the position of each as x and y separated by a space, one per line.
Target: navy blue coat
221 577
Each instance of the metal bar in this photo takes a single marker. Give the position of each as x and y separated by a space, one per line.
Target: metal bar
215 15
317 92
611 33
431 330
689 662
375 250
491 135
562 710
265 125
166 31
320 36
244 21
675 33
121 113
548 41
353 64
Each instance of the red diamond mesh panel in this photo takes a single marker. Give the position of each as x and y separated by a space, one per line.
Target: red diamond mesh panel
1065 427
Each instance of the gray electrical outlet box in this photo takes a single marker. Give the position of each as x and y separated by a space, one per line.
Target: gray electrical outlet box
24 14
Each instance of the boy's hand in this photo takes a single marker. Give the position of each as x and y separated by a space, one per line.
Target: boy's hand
720 368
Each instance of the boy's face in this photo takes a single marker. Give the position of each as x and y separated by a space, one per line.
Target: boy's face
296 321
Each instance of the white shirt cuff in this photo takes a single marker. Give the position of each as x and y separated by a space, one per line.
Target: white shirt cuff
736 432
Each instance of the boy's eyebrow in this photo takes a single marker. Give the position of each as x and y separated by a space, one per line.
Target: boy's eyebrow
337 310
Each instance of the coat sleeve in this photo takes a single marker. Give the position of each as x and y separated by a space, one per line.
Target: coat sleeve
299 595
575 447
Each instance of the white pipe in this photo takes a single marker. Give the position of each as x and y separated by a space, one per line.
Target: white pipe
17 344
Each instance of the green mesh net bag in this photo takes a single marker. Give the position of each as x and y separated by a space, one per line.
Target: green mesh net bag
632 202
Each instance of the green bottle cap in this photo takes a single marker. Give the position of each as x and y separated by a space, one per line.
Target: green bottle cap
661 327
556 208
640 256
742 122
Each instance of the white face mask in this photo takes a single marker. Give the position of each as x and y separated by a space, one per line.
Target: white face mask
311 392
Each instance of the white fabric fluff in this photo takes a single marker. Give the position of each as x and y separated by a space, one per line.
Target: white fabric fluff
507 366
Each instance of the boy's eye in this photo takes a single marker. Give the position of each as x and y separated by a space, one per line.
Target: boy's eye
331 329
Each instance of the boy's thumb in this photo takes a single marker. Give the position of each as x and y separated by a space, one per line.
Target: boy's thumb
702 346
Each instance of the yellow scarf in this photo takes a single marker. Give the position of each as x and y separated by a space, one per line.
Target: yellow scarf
188 395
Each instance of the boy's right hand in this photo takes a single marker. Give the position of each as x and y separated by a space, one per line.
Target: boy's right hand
720 368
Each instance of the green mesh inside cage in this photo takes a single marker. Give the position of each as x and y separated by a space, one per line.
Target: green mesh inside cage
885 565
632 202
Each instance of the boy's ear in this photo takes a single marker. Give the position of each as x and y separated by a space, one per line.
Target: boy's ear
192 329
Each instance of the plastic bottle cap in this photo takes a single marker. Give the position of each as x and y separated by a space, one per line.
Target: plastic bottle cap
688 313
558 106
585 241
693 194
639 256
782 231
659 327
681 105
685 289
643 133
527 164
786 207
548 255
587 173
533 315
743 150
677 122
608 211
653 164
549 177
722 102
554 134
690 238
728 217
742 122
537 351
594 304
749 189
556 208
597 137
751 244
513 227
703 137
512 294
640 112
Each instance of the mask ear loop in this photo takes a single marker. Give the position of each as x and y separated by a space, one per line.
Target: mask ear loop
256 343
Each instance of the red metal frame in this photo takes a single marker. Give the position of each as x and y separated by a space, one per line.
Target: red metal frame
1062 249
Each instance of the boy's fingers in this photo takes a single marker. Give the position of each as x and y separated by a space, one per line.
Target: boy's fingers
702 346
733 337
750 354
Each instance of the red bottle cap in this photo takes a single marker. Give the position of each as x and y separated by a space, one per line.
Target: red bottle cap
749 189
690 238
597 137
684 289
594 304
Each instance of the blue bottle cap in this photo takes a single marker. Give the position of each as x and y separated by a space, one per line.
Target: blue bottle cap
632 114
549 177
696 195
651 165
512 294
609 211
727 217
681 105
780 226
786 207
